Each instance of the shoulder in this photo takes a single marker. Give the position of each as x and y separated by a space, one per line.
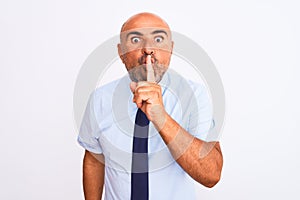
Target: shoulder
100 99
197 87
108 91
105 90
104 97
183 85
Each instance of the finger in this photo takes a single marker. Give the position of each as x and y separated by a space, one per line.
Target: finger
142 83
148 88
150 71
149 97
133 86
139 100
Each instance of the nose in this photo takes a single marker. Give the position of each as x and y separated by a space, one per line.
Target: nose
147 49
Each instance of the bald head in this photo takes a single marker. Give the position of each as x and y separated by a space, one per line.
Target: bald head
144 20
145 40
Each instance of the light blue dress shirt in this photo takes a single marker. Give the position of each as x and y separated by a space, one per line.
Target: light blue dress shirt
107 128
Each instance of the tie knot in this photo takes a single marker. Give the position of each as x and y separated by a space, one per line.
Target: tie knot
141 118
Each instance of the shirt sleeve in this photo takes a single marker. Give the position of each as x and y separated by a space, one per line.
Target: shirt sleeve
88 133
201 116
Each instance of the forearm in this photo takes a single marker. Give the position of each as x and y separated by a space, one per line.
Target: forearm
201 160
93 176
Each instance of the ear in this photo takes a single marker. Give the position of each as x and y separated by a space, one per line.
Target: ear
120 52
172 46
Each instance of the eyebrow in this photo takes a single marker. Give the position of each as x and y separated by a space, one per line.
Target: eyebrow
140 34
159 31
133 33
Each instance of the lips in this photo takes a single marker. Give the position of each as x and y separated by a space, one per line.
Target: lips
143 60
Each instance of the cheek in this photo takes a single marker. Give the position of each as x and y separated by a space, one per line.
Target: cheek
164 57
132 57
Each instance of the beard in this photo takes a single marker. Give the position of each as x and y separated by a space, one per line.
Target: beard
139 73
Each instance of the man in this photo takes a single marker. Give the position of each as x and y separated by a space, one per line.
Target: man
180 117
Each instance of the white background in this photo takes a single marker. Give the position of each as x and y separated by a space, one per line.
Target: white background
254 45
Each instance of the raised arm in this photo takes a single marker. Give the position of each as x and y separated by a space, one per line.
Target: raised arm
202 160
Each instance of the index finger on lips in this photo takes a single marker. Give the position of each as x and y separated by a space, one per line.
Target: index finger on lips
150 71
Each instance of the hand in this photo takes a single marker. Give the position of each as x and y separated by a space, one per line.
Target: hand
148 97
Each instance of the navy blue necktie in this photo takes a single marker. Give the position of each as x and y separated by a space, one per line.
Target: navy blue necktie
139 173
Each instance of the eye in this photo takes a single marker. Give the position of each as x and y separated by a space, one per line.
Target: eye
158 39
135 40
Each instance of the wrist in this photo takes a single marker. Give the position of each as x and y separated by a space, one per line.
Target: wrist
160 120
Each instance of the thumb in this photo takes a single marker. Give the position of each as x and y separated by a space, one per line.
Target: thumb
133 86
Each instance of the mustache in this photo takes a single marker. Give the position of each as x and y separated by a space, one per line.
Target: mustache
142 59
139 73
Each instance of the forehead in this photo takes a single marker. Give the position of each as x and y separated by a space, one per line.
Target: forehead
144 21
